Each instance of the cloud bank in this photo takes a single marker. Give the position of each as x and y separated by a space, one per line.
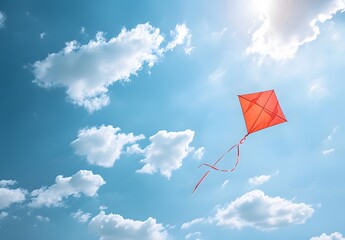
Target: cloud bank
86 71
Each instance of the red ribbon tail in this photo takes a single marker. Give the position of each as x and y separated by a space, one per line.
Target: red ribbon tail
222 170
197 185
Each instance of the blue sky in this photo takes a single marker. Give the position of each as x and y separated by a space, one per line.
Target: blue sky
107 108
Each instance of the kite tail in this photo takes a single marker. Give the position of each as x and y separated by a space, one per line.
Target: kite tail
237 145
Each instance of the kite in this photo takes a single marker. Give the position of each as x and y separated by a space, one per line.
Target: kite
260 110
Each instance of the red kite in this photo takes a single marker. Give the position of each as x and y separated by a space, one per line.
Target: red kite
260 110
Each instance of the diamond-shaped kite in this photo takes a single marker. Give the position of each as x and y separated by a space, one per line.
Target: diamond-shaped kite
260 110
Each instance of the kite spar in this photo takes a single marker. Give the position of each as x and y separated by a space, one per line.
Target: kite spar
260 110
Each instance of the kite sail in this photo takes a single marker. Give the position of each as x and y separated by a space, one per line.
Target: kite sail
260 110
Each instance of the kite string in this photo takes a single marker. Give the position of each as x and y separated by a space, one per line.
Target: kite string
222 170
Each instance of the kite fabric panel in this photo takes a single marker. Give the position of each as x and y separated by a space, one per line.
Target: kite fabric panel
260 110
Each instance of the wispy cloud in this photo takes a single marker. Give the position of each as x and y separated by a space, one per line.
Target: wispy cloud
3 215
181 36
42 35
216 77
219 35
259 180
80 216
114 226
330 136
42 218
328 151
225 183
317 89
5 183
187 225
199 153
194 235
2 19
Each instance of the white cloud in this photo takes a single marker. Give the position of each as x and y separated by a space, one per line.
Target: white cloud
257 210
135 149
102 146
182 36
5 183
3 215
196 236
258 180
287 25
10 196
81 182
317 90
216 77
218 35
328 151
2 19
113 226
80 216
225 183
187 225
86 71
199 153
42 35
166 152
333 236
43 218
330 136
82 30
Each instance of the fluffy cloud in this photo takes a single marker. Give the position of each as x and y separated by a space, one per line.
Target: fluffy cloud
2 19
187 225
166 152
86 71
5 183
113 226
182 36
328 151
259 180
199 153
80 216
257 210
102 146
81 182
333 236
287 25
216 77
10 196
